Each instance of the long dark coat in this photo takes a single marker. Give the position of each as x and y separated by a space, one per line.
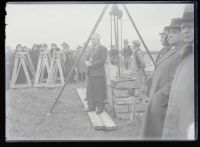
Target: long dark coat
96 79
180 112
159 94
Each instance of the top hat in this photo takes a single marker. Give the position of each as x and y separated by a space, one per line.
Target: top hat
188 14
175 24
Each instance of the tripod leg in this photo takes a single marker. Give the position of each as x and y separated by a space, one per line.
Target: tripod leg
138 33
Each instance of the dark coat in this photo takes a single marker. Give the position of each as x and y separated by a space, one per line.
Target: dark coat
180 112
159 94
97 68
127 52
96 79
162 52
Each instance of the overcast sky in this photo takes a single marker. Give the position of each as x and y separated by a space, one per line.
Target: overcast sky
72 23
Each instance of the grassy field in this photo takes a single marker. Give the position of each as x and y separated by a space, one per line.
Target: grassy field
26 120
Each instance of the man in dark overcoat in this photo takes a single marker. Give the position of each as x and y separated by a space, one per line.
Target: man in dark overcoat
180 115
164 42
126 53
95 90
161 82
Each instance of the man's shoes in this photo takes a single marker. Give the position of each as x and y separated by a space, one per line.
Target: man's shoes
99 112
88 110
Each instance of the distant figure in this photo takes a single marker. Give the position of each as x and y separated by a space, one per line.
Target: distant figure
53 48
44 49
126 53
113 55
65 49
68 57
34 53
81 69
95 91
138 60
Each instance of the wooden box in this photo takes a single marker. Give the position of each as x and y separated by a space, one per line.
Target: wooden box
129 100
141 107
125 84
123 92
123 116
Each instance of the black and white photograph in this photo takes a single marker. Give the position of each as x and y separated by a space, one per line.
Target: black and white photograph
120 71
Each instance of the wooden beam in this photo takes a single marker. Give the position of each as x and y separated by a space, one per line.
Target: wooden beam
105 118
94 118
108 122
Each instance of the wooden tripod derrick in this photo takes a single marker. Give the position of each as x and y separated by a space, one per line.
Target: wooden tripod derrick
55 76
22 67
43 69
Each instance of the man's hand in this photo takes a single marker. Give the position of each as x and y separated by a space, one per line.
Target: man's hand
88 63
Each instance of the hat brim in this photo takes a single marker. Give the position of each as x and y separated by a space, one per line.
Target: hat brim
187 20
163 34
172 27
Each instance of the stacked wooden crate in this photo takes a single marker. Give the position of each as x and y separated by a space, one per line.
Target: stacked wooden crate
123 101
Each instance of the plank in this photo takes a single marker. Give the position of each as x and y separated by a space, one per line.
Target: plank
105 118
108 122
94 118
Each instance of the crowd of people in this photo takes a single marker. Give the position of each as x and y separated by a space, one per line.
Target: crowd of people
68 59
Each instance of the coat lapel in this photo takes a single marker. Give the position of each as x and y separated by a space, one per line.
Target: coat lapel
169 53
96 52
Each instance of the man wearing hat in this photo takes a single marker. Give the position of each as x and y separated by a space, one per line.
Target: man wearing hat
68 59
179 122
65 49
138 60
161 82
126 53
34 54
53 48
164 42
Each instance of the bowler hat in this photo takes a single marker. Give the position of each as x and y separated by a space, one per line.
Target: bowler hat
164 33
175 24
136 42
126 40
64 43
188 14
